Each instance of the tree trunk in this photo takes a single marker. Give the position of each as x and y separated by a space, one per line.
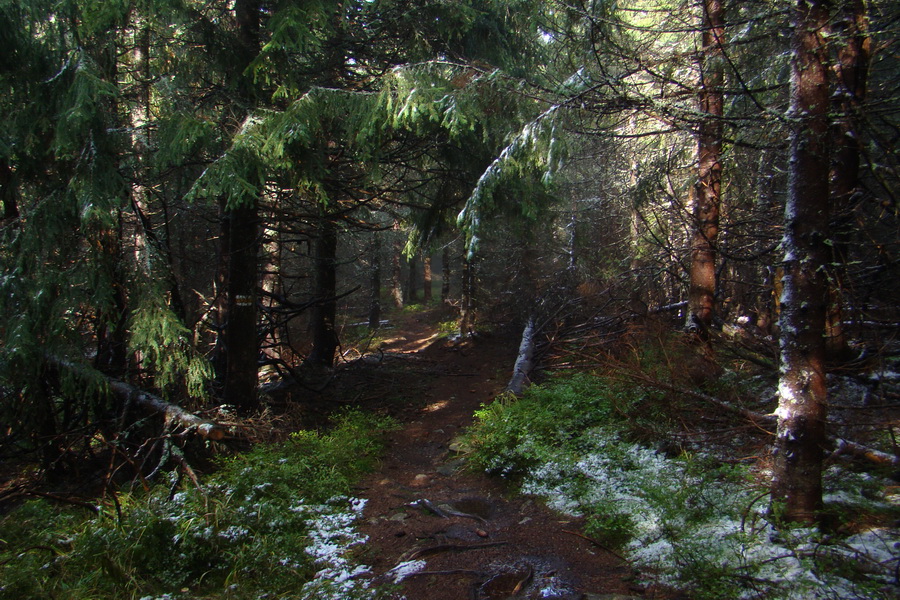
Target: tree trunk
852 68
797 473
219 313
325 340
412 286
445 274
396 270
467 299
9 193
375 281
427 294
272 334
709 171
242 340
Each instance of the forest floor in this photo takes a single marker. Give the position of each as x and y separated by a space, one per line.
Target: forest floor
462 534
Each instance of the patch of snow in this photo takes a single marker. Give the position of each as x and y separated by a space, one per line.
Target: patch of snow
682 524
405 569
332 534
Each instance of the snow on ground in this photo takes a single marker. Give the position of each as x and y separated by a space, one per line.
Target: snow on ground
332 534
688 527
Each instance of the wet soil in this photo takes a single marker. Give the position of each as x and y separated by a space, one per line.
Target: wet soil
478 539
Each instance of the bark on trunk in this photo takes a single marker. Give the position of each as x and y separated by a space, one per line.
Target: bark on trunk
427 294
524 360
375 283
851 68
797 473
412 286
396 270
240 327
242 341
709 171
9 193
445 274
325 340
467 299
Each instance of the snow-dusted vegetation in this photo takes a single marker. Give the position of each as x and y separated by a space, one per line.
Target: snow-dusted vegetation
687 520
271 523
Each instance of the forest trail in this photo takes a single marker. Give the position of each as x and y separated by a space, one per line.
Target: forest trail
477 540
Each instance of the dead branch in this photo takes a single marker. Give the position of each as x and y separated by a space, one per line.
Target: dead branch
841 445
596 543
172 413
865 452
451 548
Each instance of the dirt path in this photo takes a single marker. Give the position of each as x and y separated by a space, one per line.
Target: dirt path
508 546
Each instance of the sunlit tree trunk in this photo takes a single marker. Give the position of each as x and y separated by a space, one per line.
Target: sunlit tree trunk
396 270
701 298
851 68
427 294
797 472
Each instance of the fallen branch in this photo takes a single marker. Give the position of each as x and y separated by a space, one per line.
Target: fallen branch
841 445
446 513
755 417
57 498
126 392
862 451
596 543
447 572
451 548
172 413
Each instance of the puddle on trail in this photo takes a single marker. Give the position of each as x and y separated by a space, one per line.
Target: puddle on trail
529 577
482 508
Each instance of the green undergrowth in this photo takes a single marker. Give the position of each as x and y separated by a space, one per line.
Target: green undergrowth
274 522
692 522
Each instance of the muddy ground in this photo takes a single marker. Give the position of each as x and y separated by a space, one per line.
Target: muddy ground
478 539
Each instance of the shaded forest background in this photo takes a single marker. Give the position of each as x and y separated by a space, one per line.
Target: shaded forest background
201 197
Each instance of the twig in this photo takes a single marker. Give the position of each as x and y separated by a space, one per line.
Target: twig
452 548
28 549
93 508
447 572
598 544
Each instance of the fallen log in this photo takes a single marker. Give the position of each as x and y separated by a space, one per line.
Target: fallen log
524 361
172 413
842 445
862 451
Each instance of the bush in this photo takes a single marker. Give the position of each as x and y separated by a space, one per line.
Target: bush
259 525
513 435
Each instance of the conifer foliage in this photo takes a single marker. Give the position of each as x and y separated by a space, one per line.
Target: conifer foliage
194 190
168 167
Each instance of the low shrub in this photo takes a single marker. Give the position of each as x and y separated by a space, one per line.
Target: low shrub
690 521
276 520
